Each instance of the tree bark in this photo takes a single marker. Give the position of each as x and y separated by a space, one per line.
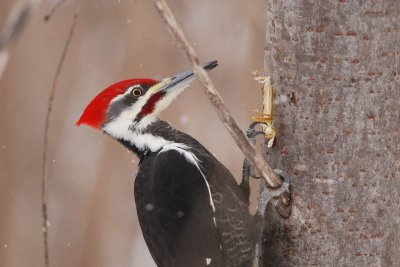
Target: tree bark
335 71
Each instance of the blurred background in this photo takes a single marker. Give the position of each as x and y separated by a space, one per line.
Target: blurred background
91 209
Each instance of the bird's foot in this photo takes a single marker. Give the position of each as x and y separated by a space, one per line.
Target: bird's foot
280 198
248 170
251 135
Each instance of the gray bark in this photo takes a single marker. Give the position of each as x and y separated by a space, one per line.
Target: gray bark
335 69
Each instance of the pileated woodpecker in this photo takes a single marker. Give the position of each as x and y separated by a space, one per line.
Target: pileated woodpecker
190 208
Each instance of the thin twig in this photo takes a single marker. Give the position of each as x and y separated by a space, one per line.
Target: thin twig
52 93
48 16
14 25
256 159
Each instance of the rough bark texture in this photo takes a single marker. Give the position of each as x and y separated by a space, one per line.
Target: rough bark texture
335 68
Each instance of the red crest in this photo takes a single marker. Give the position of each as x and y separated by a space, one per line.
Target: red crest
94 114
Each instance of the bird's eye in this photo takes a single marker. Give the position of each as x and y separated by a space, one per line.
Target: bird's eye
136 92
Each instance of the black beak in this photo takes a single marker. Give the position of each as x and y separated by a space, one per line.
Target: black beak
183 76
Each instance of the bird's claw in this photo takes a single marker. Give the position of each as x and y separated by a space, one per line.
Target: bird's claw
251 135
280 198
248 171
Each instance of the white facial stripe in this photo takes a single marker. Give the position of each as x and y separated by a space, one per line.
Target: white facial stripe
123 127
163 104
119 128
141 141
120 125
160 105
148 141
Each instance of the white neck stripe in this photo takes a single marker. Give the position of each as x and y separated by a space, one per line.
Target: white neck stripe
191 158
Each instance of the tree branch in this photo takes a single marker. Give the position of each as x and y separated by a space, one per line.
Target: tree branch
49 15
13 27
45 218
255 158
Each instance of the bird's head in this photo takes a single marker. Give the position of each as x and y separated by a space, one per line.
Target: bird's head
132 105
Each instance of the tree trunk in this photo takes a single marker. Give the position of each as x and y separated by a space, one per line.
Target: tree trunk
335 71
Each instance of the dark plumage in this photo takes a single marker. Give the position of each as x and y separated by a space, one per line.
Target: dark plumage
174 210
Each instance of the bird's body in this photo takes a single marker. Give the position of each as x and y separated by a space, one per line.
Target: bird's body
190 208
187 204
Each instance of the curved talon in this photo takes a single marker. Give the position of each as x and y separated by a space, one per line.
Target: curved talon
280 198
286 177
251 128
254 124
252 135
247 169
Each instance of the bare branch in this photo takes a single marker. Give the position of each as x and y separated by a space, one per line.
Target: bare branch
256 159
49 15
13 27
45 218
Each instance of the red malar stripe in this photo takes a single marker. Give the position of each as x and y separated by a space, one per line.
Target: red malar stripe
150 104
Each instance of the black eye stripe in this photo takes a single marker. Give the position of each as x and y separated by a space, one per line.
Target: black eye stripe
118 106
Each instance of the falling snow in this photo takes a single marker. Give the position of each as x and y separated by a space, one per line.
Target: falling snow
149 207
282 99
3 61
183 119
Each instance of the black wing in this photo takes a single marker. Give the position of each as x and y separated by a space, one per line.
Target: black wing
173 205
235 224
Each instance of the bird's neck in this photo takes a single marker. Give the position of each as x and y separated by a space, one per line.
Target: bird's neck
152 139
